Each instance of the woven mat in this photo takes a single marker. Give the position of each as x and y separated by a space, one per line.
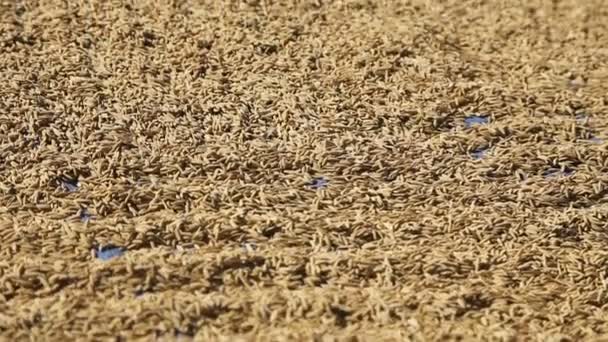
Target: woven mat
303 170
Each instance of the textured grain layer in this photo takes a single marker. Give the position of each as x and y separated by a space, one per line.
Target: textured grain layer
303 170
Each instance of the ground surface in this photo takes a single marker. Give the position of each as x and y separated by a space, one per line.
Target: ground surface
303 170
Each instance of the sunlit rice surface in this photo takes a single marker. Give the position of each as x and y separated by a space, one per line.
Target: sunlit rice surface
301 170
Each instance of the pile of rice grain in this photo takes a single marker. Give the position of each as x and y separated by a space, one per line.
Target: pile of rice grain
303 170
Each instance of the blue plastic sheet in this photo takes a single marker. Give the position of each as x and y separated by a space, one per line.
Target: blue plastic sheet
475 120
318 183
109 252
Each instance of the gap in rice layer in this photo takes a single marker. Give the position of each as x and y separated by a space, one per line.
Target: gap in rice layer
475 120
558 173
85 216
596 140
318 183
479 153
582 118
109 252
69 185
